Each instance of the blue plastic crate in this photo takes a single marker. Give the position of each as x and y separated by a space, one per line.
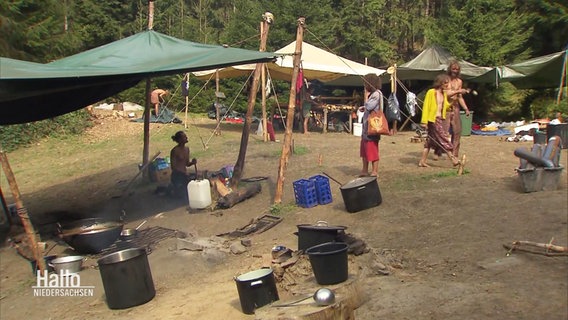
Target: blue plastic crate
305 193
323 189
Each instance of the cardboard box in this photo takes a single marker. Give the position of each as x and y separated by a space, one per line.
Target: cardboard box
161 177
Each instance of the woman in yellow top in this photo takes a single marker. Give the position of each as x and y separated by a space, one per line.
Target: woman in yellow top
433 114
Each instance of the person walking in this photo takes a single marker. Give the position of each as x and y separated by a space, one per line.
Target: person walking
434 113
455 97
369 146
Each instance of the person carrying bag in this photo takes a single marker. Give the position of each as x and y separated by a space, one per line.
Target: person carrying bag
369 146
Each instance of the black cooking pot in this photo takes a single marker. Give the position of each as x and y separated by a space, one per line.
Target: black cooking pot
311 235
361 193
90 235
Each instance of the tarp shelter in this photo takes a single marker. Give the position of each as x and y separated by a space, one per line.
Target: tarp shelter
31 91
317 64
435 60
541 72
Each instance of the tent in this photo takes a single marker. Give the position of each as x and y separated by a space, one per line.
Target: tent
433 61
31 91
317 64
546 71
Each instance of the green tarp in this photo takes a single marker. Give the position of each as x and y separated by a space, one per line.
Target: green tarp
433 61
31 91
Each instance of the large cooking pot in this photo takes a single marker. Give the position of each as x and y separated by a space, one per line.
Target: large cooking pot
90 235
311 235
361 193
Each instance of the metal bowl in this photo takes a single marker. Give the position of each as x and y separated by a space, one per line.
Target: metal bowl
324 297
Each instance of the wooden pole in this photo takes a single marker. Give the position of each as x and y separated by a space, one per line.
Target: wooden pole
264 27
217 111
239 166
150 14
23 213
290 115
146 151
186 77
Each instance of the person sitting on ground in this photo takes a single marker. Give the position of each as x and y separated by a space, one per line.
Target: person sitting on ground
156 97
179 157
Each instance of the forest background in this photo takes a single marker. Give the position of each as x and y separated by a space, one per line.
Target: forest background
381 32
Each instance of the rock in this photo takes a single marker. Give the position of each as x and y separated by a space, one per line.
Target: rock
237 248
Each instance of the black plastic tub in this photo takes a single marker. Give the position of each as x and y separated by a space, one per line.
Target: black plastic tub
361 193
312 235
127 278
329 262
256 289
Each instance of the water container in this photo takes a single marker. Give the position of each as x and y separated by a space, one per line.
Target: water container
199 194
357 129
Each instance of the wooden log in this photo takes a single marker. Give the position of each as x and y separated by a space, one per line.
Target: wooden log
349 296
239 195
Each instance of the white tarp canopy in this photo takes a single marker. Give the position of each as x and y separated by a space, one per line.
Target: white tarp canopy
317 64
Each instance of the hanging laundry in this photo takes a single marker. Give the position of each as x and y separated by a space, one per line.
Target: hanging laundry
411 103
393 110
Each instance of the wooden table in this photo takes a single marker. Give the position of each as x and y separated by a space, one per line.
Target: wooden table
338 108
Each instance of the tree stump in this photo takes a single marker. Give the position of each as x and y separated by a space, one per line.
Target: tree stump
349 296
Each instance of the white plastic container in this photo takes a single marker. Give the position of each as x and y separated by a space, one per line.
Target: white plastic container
199 194
357 129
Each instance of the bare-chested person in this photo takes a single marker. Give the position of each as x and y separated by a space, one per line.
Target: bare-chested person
453 121
433 116
179 157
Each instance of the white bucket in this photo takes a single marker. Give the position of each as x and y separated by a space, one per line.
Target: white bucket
357 129
199 194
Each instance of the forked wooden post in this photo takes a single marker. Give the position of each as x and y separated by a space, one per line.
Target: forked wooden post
239 166
290 113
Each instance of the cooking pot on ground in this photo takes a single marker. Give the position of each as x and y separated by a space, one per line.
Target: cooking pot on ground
310 235
90 235
67 265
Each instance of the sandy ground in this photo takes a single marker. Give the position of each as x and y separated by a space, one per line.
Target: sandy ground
441 236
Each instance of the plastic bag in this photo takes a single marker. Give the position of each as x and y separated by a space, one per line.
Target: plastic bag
393 109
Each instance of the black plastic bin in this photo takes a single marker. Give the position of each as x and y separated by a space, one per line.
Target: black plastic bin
127 278
256 289
329 262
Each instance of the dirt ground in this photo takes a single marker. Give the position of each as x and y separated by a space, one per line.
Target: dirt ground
439 235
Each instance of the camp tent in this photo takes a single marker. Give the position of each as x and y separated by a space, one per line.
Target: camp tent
32 91
435 60
317 64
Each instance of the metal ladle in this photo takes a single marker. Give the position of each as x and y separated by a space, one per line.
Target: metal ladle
131 232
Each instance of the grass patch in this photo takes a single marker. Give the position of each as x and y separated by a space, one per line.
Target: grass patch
443 174
281 209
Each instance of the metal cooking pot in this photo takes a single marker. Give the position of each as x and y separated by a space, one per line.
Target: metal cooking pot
361 193
91 235
310 235
67 265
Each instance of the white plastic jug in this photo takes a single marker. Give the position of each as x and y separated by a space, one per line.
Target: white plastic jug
199 194
357 129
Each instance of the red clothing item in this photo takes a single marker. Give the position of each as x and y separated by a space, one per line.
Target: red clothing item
369 150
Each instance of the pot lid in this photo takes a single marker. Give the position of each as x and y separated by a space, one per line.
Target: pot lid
320 227
358 182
